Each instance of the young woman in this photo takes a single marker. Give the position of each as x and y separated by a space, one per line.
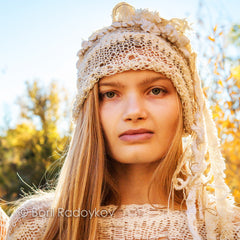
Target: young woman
144 155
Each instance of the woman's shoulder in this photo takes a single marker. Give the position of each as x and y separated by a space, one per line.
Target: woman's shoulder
29 220
3 224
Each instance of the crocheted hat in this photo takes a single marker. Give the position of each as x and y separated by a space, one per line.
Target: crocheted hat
141 40
138 40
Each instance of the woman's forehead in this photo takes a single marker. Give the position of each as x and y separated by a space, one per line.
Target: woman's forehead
144 76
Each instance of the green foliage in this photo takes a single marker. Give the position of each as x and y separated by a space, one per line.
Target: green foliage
29 150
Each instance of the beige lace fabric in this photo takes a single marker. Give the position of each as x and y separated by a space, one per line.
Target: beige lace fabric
138 40
129 222
122 51
3 224
29 220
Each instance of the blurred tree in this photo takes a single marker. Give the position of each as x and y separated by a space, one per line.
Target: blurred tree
29 149
219 64
228 116
225 94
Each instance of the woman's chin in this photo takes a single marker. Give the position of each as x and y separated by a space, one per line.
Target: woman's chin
136 158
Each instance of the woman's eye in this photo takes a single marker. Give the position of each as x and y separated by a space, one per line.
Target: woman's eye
157 91
109 94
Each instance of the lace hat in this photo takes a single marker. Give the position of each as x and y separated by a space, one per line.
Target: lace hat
139 39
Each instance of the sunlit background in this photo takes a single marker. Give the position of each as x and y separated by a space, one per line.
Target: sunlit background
39 39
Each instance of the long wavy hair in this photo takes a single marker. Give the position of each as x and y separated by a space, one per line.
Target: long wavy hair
86 180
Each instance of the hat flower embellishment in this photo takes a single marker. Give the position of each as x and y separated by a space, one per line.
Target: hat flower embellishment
124 16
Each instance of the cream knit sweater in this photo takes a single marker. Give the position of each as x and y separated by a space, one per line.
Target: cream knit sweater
3 224
129 222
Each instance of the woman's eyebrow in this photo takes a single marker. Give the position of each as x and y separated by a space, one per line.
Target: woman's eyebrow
154 79
111 84
146 81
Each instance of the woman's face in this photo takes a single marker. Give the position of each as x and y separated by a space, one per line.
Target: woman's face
139 113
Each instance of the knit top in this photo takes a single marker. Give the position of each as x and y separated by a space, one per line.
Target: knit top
129 222
3 224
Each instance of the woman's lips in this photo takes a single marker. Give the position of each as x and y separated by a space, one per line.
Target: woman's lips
136 137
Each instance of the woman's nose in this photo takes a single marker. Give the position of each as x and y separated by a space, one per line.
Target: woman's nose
134 108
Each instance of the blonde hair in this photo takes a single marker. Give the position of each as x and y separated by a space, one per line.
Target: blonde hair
86 180
80 181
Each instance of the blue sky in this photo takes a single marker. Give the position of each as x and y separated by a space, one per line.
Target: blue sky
39 39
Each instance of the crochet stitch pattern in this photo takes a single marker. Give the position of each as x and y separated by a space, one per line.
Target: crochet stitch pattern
129 222
3 224
138 40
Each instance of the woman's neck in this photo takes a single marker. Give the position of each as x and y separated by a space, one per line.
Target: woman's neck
134 181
